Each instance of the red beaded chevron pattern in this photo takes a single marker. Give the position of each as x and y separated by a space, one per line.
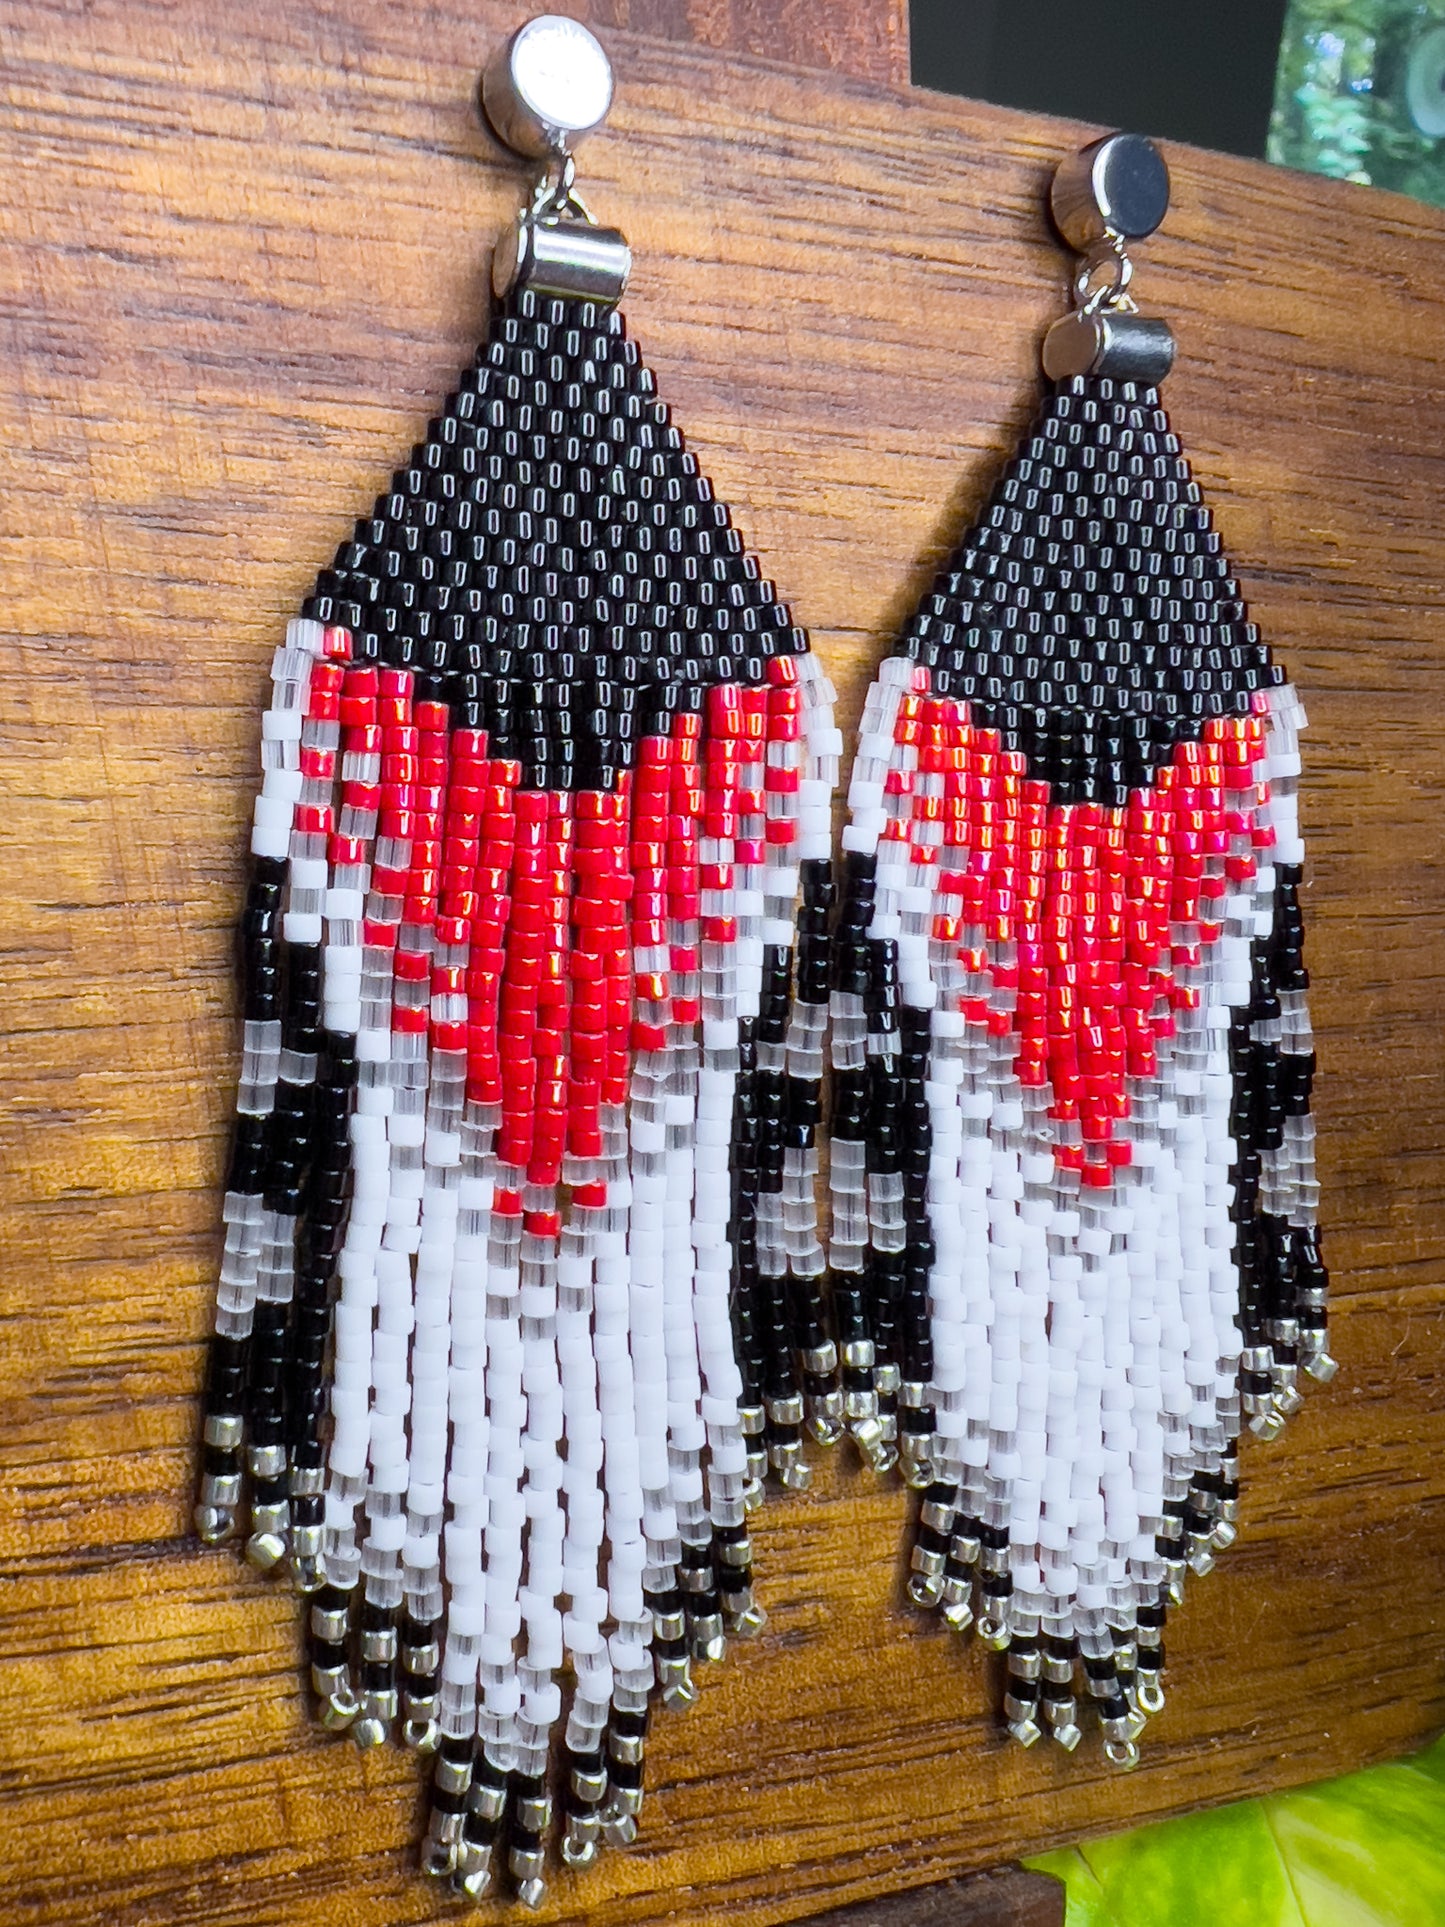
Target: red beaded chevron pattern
522 1296
1073 1242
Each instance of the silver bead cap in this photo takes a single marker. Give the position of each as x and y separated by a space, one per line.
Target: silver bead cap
547 87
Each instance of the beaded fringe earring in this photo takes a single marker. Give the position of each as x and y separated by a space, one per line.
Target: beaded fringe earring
521 1291
1073 1242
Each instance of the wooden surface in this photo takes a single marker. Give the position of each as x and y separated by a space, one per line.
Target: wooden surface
865 38
1006 1897
243 253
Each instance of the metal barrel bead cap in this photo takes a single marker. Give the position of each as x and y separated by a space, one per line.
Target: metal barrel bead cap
1116 186
547 87
562 258
1113 343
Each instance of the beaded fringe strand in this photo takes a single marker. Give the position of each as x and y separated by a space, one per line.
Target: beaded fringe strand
1073 1239
521 1298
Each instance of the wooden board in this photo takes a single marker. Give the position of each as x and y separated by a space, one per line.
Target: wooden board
1005 1897
242 255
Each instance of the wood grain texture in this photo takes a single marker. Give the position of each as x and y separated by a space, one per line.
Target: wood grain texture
865 38
1006 1897
241 256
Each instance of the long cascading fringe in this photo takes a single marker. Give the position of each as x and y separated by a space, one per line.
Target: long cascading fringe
1074 1245
522 1291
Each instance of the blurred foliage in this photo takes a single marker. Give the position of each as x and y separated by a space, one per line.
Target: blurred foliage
1339 105
1365 1851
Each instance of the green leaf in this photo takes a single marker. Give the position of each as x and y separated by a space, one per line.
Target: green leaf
1367 1851
1219 1869
1364 1851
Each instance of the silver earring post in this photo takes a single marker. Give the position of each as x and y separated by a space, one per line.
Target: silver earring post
542 92
1111 193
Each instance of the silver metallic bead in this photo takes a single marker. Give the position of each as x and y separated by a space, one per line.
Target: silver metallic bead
446 1827
221 1490
420 1735
452 1776
437 1860
957 1602
994 1632
619 1829
534 1813
307 1575
577 1852
214 1524
306 1549
474 1856
674 1678
369 1732
267 1461
224 1430
330 1623
709 1641
340 1707
825 1418
786 1411
265 1550
626 1747
868 1436
486 1800
749 1621
1149 1694
791 1467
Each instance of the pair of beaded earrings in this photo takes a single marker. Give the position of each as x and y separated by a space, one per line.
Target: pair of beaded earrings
524 1300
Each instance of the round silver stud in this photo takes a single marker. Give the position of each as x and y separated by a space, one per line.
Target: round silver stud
1118 186
547 87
